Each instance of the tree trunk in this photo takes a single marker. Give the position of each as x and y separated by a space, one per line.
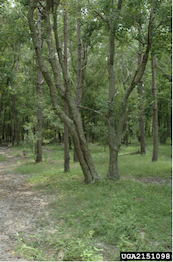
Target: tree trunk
16 121
74 122
113 149
155 113
3 125
142 129
66 138
17 133
13 120
22 130
0 119
171 125
78 82
113 152
39 95
127 135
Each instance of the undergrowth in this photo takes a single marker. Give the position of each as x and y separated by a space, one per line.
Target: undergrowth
95 222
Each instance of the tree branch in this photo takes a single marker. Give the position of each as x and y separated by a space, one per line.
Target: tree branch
23 14
115 94
137 77
97 112
106 21
59 51
45 72
71 79
139 72
52 58
163 72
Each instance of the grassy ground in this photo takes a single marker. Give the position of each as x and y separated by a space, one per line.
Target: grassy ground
97 221
2 157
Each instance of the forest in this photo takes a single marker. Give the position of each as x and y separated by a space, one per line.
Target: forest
86 121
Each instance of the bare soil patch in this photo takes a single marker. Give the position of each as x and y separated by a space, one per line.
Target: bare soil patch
154 180
20 208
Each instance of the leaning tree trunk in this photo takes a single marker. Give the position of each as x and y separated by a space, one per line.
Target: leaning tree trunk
73 122
66 138
155 113
39 95
78 136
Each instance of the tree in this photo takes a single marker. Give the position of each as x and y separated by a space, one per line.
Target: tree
155 113
162 56
74 122
141 120
78 82
66 135
39 93
11 42
115 141
103 105
81 65
113 149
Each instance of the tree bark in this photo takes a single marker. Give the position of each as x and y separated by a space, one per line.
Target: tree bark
13 120
74 122
113 152
3 125
22 130
141 120
82 147
66 136
80 69
39 95
155 112
127 135
78 82
0 118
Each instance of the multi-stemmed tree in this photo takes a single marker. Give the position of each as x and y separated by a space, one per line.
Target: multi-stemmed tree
112 17
54 83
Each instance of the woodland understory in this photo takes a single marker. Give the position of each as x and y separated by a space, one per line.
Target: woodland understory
49 215
76 72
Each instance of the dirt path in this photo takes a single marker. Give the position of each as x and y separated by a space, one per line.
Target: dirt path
19 208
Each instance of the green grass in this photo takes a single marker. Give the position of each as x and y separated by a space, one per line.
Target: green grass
97 221
3 157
